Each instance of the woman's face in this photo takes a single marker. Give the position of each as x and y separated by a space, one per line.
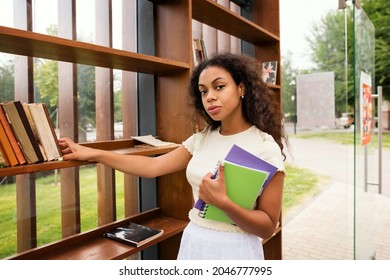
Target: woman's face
221 97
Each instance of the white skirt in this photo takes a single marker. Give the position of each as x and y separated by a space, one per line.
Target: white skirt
200 243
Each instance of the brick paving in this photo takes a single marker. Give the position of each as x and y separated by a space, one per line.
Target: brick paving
323 227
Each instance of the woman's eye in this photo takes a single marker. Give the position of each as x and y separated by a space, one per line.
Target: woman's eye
202 92
220 87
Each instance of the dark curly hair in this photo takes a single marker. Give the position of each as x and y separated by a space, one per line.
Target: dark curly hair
259 107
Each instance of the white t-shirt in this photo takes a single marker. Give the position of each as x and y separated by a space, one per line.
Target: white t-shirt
209 147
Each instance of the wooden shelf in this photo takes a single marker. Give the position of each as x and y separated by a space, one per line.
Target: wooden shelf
128 147
221 18
21 42
92 245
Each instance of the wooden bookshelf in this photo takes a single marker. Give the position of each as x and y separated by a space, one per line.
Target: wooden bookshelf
124 146
92 245
33 44
171 66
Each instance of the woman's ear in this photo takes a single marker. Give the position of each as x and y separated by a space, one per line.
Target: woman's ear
241 89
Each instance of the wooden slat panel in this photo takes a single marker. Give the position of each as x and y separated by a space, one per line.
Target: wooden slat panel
129 95
273 246
267 15
173 113
27 43
70 201
223 38
26 212
24 91
104 114
68 120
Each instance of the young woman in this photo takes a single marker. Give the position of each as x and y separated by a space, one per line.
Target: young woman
228 92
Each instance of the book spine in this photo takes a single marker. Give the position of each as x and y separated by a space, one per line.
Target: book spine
3 157
203 49
52 131
10 134
2 160
198 204
28 129
7 150
34 130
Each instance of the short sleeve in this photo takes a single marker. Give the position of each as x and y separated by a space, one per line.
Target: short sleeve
272 154
189 144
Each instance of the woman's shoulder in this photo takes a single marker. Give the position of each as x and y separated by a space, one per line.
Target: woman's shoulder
199 138
261 135
265 146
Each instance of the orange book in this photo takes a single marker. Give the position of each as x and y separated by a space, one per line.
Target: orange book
6 148
14 143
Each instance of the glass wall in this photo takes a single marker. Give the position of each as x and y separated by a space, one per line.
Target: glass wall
331 202
365 158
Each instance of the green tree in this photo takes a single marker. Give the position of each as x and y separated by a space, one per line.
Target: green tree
86 94
7 81
327 42
46 82
46 79
289 87
379 13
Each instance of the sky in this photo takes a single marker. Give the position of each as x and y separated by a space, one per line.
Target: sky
296 20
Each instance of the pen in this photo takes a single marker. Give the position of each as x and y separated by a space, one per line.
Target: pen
215 174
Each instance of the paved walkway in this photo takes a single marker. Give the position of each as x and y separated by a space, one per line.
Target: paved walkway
323 227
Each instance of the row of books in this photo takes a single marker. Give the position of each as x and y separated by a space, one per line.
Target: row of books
27 134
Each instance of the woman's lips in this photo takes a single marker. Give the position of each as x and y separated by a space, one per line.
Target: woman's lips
213 110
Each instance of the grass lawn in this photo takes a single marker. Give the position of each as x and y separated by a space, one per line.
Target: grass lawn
296 191
48 195
345 138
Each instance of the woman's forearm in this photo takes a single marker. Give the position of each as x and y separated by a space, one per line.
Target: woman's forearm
136 165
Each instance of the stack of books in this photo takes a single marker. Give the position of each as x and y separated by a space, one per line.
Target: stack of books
246 176
27 134
198 51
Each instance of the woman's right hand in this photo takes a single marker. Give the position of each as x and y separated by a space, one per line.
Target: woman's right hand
73 151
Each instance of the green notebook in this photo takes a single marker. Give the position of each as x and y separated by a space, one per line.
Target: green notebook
243 185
